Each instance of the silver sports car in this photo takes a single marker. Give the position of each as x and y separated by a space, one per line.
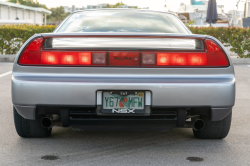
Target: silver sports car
117 69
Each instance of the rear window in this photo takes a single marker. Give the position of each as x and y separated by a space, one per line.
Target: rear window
122 21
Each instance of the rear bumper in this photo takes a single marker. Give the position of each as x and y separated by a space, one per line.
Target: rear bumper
217 94
71 87
166 92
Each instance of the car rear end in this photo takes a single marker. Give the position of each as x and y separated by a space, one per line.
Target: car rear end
124 80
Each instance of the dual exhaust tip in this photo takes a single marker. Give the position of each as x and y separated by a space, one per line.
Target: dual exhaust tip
198 124
49 122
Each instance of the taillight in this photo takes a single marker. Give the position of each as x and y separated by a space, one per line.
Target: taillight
212 56
174 59
215 56
71 58
34 55
31 54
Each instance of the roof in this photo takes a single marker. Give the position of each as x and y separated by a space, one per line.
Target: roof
38 9
124 9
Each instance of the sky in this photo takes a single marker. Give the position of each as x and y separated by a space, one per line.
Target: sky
152 4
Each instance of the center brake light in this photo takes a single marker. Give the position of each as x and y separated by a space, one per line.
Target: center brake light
213 56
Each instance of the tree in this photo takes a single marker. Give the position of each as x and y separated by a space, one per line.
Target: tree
118 4
107 6
29 3
58 15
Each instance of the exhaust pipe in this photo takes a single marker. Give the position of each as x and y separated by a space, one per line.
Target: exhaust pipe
198 124
46 122
49 122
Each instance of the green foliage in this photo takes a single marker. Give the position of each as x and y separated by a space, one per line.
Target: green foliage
118 4
237 38
190 23
29 3
58 15
12 37
107 6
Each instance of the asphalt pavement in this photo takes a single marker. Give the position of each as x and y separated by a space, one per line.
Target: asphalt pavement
177 147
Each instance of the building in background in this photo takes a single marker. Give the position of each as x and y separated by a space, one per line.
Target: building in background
11 13
105 5
195 2
68 9
99 6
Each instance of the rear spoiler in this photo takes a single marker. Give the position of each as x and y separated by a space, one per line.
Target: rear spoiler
141 35
121 41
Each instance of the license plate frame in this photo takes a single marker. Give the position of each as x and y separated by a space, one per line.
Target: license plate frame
121 110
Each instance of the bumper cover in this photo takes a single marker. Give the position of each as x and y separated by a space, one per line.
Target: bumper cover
213 92
179 88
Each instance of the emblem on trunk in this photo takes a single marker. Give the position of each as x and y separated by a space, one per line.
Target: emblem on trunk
123 58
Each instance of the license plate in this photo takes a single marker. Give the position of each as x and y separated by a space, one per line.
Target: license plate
123 102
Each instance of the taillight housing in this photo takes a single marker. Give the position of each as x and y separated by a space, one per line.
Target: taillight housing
211 56
33 54
215 55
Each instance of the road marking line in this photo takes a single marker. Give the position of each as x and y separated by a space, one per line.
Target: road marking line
5 74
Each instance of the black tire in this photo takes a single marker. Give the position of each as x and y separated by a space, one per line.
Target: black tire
214 129
29 128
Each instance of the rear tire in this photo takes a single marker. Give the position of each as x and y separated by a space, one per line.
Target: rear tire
214 129
29 128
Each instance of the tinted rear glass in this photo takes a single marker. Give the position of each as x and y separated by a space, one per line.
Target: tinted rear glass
122 21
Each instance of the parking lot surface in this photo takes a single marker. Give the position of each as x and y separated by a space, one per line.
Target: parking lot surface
177 147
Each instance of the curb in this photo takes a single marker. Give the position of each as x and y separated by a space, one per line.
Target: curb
236 61
7 58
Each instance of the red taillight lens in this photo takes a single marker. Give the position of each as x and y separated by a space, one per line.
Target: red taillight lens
85 58
197 59
212 56
34 55
72 58
31 54
178 59
50 58
163 59
215 56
